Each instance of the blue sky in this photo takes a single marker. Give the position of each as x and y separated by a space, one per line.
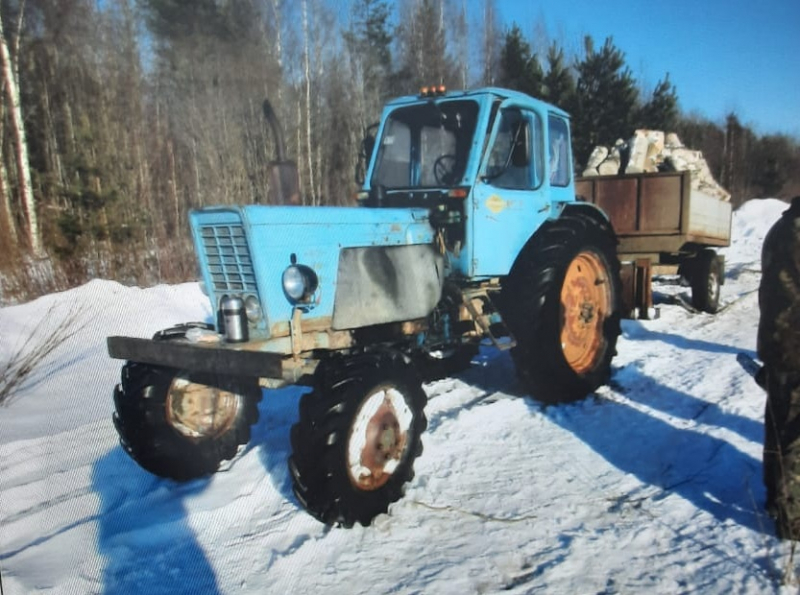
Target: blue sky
739 56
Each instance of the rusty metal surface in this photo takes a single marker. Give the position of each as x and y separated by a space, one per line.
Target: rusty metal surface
378 438
644 287
617 198
658 212
218 359
385 442
200 411
637 288
585 301
660 202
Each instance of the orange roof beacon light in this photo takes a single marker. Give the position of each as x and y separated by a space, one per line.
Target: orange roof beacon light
432 91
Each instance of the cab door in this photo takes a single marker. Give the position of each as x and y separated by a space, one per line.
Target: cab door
510 199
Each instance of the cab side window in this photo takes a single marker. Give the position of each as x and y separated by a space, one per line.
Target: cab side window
515 161
509 160
559 151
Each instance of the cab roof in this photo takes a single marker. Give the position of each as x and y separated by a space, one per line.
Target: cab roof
500 93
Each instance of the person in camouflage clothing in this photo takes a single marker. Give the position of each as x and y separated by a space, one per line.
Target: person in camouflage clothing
779 349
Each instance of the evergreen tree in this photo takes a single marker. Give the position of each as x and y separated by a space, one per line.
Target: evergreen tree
661 111
606 99
737 163
176 19
558 84
422 45
703 135
369 40
519 69
773 164
368 43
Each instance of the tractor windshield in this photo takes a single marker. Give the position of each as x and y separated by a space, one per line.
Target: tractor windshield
426 145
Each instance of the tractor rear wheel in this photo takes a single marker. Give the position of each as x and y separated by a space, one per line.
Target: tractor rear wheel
562 304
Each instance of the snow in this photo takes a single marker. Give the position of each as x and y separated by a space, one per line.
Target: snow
652 485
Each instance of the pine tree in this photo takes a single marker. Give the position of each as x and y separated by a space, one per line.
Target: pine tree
180 19
606 99
519 69
368 43
422 45
773 164
558 84
661 111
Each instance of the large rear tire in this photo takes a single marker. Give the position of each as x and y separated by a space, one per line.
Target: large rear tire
562 304
182 425
359 432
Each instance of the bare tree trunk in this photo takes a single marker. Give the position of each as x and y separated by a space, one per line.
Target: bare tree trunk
489 42
10 83
307 70
301 167
7 227
462 31
173 190
276 10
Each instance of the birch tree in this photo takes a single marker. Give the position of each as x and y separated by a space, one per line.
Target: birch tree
8 231
307 89
490 43
25 187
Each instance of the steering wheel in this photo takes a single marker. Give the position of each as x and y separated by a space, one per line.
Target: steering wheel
444 169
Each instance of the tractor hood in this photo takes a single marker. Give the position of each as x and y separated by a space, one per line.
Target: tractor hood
369 266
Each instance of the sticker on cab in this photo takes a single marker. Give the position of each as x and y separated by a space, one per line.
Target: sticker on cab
496 204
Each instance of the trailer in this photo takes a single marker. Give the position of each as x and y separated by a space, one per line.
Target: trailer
661 221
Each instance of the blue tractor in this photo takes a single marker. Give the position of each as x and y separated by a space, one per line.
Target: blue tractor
468 232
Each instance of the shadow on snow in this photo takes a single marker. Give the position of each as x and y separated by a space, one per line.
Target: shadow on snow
675 457
143 532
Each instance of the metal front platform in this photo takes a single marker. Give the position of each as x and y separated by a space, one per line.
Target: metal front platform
215 359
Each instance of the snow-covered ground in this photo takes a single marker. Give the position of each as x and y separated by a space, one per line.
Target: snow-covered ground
653 485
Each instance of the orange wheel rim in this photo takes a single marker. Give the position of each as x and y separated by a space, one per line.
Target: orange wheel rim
585 304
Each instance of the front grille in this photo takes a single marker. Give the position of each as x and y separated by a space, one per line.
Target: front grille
228 258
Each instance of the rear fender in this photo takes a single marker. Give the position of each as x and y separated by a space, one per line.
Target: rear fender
574 209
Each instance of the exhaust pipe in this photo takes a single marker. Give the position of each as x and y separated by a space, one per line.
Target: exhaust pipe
284 179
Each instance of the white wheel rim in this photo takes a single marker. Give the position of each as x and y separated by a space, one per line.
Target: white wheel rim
713 287
378 438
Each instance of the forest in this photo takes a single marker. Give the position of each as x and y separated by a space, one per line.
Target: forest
120 116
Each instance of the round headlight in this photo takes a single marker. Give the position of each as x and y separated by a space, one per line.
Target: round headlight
294 282
299 282
252 308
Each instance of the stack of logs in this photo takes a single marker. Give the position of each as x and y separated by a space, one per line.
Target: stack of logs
653 151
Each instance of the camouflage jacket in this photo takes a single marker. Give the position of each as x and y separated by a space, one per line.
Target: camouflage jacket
779 294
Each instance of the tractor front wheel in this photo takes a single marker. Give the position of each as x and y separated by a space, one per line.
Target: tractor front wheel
182 425
359 432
